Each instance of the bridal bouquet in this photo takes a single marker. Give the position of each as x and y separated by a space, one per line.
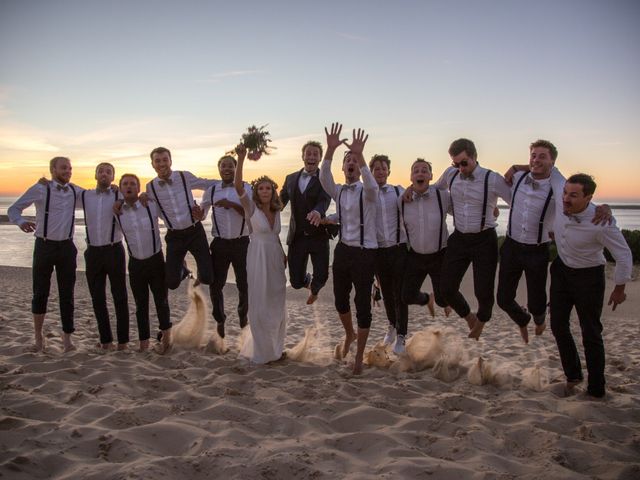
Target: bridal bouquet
256 140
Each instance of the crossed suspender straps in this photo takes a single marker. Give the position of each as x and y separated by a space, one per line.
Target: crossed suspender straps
441 221
46 212
484 200
544 209
86 222
186 193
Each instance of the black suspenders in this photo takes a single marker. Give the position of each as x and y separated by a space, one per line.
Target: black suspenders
441 221
544 209
86 221
213 214
153 232
186 193
361 216
398 216
484 200
46 212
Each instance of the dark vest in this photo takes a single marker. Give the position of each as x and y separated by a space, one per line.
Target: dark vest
302 205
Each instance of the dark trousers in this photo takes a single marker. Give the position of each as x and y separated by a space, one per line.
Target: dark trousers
353 266
179 242
582 288
533 260
390 269
418 266
61 255
298 255
144 275
480 250
224 253
102 262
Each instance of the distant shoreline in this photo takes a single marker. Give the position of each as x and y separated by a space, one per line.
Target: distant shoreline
612 206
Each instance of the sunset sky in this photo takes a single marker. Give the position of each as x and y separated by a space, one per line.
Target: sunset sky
110 80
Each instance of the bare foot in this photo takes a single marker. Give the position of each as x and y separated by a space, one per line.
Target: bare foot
196 282
312 298
122 346
69 347
476 331
471 320
40 343
144 345
447 311
430 306
541 328
106 346
524 333
357 367
348 340
166 341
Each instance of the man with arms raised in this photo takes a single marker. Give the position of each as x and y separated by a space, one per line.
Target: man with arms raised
306 237
354 255
230 234
54 248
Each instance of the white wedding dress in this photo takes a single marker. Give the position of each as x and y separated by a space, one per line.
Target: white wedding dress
267 287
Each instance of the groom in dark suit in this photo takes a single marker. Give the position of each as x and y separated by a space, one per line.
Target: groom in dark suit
306 237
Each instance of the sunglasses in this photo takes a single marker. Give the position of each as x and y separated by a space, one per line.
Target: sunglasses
462 163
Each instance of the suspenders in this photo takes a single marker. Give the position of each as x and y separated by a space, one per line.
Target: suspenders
186 194
361 216
398 216
484 200
153 232
441 221
86 221
213 214
46 212
544 209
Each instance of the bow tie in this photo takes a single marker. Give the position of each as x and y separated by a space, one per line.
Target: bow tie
226 185
469 177
351 186
419 196
63 188
168 181
530 181
132 207
100 190
573 218
306 174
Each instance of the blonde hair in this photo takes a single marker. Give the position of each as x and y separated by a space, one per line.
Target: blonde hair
275 205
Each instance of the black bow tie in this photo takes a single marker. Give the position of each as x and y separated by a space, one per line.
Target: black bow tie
306 174
469 177
63 188
168 181
351 186
419 196
530 181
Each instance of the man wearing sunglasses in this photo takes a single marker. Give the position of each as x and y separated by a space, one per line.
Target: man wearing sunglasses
474 195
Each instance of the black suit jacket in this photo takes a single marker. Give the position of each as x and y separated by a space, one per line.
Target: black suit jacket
315 198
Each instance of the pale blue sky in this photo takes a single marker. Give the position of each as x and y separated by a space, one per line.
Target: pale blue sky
109 80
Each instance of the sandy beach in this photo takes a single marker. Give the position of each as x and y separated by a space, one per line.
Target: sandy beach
440 413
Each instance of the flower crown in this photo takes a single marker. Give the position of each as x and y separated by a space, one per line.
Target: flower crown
264 178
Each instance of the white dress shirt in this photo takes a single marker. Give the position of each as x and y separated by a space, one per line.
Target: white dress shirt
526 209
173 198
467 197
388 215
349 208
423 220
580 243
229 222
99 218
139 230
304 179
62 204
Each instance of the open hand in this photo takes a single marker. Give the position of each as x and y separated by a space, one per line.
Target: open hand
333 137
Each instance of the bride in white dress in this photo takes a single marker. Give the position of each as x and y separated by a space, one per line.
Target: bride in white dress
265 269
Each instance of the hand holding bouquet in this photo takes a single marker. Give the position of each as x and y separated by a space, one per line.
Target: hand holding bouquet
256 140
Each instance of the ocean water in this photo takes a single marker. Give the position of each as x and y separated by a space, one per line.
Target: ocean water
16 247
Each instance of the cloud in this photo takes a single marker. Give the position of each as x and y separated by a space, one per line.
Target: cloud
353 38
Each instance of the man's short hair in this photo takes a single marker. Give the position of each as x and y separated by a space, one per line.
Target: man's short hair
379 158
105 164
159 150
312 143
228 157
132 175
553 151
463 145
422 160
54 161
587 182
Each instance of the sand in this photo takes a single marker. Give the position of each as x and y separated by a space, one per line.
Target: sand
452 408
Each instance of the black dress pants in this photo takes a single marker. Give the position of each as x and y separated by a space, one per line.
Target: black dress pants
194 241
302 247
390 269
226 252
418 266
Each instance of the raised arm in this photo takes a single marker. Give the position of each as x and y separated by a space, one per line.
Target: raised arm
333 142
238 183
